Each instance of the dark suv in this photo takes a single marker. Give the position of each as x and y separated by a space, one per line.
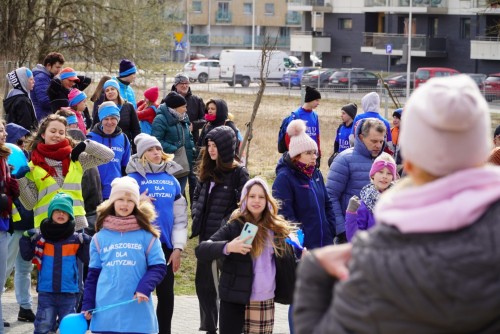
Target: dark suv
359 78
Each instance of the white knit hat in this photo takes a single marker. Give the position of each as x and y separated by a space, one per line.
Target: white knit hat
446 126
144 142
124 185
299 141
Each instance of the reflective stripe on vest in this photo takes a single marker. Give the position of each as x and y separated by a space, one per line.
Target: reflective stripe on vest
48 188
15 215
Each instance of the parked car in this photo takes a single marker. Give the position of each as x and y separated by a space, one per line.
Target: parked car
397 82
202 70
425 73
315 60
195 56
320 75
478 78
492 87
359 78
293 76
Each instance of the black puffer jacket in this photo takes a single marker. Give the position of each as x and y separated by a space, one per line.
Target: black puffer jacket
129 123
221 119
209 210
58 94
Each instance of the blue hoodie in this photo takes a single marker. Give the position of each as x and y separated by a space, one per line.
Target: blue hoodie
39 95
120 145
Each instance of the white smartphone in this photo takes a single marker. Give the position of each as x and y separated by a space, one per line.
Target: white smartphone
249 229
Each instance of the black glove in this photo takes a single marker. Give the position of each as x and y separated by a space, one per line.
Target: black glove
22 172
77 150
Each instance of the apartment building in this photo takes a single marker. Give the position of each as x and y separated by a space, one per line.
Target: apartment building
462 34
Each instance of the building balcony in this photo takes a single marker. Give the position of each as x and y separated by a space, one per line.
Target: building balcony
421 45
310 5
310 41
223 17
293 19
240 41
487 7
487 48
403 6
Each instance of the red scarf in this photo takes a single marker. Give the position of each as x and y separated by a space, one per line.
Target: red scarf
58 152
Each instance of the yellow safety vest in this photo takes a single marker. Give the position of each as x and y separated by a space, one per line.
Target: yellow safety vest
15 215
48 188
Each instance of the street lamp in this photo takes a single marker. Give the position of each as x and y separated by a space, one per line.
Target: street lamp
408 63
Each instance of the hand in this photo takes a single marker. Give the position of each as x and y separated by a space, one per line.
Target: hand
141 297
238 245
334 260
32 234
175 259
145 198
353 204
191 127
77 150
87 315
22 172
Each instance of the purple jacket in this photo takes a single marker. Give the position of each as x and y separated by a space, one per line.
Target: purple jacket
360 220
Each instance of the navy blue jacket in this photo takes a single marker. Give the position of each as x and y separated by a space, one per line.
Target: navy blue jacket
304 200
39 95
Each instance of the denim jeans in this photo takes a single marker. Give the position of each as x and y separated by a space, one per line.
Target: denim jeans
53 306
4 239
22 274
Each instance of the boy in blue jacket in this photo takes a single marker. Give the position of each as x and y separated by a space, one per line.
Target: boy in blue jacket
54 250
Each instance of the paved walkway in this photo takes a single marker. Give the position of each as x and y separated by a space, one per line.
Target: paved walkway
185 321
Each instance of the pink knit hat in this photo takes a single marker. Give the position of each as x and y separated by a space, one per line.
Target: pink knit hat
446 126
300 141
76 96
384 160
152 94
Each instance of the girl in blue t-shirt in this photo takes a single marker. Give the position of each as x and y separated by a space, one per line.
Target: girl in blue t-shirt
153 170
126 261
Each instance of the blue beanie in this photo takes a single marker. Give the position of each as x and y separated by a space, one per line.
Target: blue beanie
62 202
108 109
111 83
76 96
29 74
127 67
71 119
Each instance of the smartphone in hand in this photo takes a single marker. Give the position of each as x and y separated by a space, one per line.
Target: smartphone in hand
248 230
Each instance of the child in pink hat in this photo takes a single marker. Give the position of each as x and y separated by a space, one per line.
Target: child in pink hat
146 109
77 104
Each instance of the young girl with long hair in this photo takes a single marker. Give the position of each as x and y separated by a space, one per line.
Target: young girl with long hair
126 261
253 275
58 165
152 169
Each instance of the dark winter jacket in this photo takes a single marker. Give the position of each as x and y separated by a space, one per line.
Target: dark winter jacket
19 110
305 201
39 94
169 130
129 123
235 285
221 119
58 95
349 173
195 111
209 210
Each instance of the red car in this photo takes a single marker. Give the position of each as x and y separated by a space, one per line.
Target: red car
491 87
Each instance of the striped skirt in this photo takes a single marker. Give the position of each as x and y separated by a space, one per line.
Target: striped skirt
259 317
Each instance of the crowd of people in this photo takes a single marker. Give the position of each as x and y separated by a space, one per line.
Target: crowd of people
99 201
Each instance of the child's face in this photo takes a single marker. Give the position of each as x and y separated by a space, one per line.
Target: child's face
3 133
212 109
345 117
124 205
256 201
396 121
382 179
60 217
54 133
81 106
154 154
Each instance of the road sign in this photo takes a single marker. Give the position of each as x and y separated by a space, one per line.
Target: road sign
178 47
178 36
388 49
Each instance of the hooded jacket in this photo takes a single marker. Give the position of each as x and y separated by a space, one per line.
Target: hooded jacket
168 129
349 173
195 111
170 206
39 94
126 92
18 105
305 201
120 145
430 264
220 119
371 106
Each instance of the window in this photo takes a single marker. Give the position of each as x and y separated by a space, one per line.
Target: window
247 9
269 9
465 28
345 24
433 26
196 6
346 60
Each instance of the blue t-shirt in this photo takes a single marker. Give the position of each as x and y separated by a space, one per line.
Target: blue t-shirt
312 123
343 136
372 114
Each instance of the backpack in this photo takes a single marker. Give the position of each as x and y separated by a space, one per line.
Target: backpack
282 148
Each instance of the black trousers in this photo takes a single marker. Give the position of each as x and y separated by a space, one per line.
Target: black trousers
165 294
207 296
232 318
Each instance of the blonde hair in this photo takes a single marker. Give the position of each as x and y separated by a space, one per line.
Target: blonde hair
164 157
384 156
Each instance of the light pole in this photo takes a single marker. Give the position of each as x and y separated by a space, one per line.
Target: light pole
253 24
408 63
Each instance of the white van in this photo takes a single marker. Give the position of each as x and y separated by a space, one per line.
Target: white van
243 66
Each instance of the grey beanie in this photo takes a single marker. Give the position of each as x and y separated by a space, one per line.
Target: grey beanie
144 142
180 78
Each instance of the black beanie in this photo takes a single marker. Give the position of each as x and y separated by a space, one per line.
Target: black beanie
225 139
497 132
311 94
174 100
350 109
